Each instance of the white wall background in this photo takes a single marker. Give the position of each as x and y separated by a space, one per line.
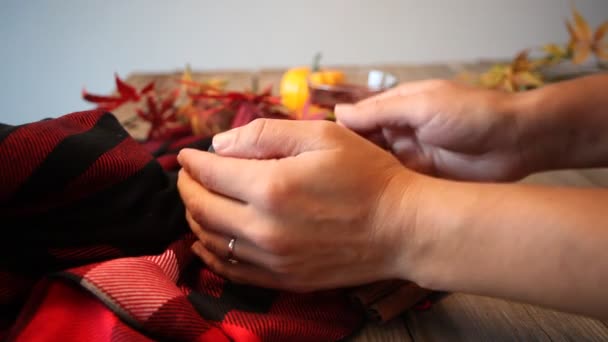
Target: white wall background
50 49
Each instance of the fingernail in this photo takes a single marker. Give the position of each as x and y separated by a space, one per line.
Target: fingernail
222 140
180 158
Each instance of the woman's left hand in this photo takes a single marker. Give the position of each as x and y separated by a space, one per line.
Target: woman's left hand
311 206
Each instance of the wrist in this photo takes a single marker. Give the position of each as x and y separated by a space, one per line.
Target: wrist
415 206
561 125
445 210
396 221
536 130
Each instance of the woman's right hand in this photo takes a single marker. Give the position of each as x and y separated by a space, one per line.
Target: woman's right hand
445 129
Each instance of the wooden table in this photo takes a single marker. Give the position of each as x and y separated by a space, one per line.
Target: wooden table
456 316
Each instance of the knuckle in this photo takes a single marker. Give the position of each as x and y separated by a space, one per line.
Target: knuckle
273 193
206 176
377 104
274 242
234 276
197 213
284 266
256 130
205 242
217 266
326 130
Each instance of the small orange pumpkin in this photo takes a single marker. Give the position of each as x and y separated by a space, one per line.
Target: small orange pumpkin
294 83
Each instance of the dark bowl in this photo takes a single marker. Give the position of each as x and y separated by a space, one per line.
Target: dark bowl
358 86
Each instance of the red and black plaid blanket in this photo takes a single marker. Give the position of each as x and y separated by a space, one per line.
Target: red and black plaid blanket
95 247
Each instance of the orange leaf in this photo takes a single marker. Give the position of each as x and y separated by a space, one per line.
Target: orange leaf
602 52
581 53
600 33
521 61
581 28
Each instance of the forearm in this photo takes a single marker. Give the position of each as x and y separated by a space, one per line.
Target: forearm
565 125
547 246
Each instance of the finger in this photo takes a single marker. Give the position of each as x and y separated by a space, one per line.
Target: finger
218 244
271 138
238 272
213 211
230 177
407 109
404 89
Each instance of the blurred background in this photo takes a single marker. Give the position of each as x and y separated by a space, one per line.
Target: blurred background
52 49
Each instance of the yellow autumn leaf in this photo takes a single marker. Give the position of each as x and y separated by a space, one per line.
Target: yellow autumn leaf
217 83
187 74
554 50
493 77
528 79
521 62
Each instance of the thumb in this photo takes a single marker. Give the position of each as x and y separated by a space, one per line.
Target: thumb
270 138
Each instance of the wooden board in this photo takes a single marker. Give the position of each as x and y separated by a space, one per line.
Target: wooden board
460 317
392 331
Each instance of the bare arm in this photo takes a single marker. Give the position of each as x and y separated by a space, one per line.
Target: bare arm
547 246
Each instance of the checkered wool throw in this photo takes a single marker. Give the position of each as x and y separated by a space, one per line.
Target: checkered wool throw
95 247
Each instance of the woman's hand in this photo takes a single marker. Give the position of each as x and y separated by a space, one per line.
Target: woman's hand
445 129
311 205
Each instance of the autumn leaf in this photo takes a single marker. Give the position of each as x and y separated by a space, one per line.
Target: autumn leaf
162 116
601 48
126 93
527 79
519 75
555 54
521 62
583 41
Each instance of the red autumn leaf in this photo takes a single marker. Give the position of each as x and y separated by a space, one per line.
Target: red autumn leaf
245 114
126 93
103 102
162 116
148 88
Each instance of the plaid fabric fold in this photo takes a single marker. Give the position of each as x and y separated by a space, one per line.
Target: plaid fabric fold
96 248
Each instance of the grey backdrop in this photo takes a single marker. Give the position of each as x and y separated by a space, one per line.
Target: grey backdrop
51 49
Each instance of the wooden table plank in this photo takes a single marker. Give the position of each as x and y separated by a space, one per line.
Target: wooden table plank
599 177
395 330
566 327
460 317
560 178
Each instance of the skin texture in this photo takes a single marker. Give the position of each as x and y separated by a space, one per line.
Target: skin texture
316 205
